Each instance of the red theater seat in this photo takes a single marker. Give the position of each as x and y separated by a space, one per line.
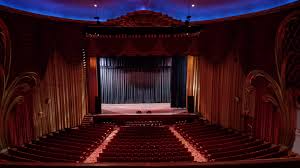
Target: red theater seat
219 144
145 144
71 145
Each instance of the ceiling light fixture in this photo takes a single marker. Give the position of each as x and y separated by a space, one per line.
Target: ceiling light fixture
97 17
188 17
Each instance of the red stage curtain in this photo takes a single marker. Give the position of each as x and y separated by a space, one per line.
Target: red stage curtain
60 100
268 123
21 125
263 112
217 89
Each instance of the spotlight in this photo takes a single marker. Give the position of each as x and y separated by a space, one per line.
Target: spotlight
95 5
193 5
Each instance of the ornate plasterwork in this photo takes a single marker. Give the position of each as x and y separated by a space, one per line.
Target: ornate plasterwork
288 51
287 57
11 88
143 18
275 96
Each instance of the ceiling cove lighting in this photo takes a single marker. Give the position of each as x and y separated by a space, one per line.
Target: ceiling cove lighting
203 10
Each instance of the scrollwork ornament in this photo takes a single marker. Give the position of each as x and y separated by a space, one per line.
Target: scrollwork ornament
277 98
12 89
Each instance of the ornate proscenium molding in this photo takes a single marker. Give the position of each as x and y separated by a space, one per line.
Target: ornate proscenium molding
143 18
276 97
142 24
11 89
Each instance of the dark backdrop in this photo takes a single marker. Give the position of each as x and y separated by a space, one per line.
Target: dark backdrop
178 81
135 79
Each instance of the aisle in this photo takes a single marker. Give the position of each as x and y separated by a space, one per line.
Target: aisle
198 157
93 157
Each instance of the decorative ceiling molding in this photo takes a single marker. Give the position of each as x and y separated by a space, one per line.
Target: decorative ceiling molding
107 9
143 24
143 18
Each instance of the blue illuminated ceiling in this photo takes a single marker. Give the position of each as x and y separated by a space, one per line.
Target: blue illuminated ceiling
109 9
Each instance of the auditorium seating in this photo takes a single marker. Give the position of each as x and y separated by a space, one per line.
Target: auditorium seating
145 144
220 144
69 145
144 123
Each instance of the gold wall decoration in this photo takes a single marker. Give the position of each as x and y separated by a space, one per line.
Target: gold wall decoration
276 97
287 56
11 88
287 52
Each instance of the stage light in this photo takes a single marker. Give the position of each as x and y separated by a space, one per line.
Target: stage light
96 5
193 5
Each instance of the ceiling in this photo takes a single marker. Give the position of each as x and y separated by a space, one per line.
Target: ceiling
109 9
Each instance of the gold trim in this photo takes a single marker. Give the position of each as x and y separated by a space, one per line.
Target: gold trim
12 88
277 98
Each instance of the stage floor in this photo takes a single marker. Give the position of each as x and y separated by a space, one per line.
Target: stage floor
130 109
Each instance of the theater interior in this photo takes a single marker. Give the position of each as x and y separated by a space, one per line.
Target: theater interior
150 83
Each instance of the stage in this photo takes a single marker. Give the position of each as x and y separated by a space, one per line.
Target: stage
120 113
131 109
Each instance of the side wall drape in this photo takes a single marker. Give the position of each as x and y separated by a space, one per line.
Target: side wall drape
217 89
21 124
135 79
267 120
266 123
178 81
60 100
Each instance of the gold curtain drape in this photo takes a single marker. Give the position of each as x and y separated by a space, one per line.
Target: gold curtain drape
60 100
217 89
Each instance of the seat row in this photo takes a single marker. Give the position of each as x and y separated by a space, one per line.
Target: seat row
71 145
219 144
143 150
145 159
130 145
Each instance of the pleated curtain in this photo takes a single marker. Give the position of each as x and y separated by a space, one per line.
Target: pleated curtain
61 99
217 89
134 79
178 81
